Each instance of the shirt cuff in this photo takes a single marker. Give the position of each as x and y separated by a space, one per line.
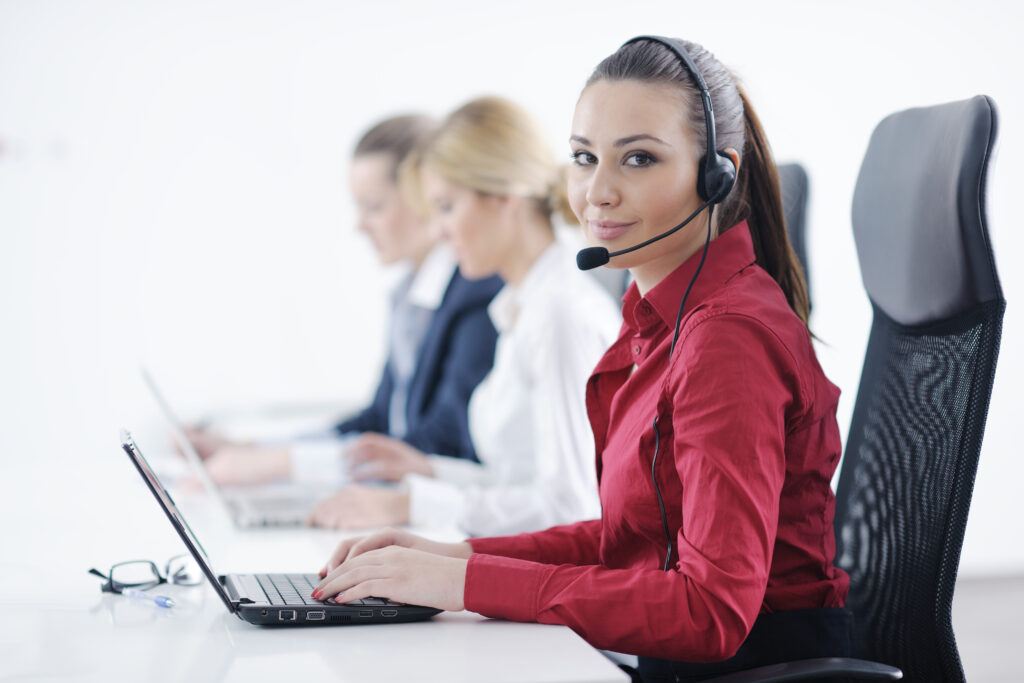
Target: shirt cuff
503 587
458 471
504 546
319 461
434 504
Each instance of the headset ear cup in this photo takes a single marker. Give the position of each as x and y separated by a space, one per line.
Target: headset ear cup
714 184
728 174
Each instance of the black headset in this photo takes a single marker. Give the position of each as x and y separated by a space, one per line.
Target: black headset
716 173
716 176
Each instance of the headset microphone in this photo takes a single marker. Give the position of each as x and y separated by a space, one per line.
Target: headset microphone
592 257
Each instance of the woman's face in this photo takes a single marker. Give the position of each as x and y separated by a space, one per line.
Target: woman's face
634 174
476 225
394 229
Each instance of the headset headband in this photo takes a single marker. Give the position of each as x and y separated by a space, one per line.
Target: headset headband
676 47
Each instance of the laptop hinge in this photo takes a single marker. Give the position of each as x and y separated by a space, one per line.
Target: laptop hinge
232 590
238 590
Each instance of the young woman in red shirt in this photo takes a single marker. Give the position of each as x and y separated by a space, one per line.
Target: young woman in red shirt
715 427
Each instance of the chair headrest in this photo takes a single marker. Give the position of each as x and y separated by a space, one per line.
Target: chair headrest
919 212
794 183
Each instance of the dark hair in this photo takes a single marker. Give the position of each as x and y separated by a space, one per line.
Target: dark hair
396 137
756 196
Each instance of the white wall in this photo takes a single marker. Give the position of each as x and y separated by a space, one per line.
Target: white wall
172 186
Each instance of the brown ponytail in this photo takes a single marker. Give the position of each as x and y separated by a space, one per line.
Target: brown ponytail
756 196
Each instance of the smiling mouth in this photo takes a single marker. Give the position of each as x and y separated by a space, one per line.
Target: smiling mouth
606 231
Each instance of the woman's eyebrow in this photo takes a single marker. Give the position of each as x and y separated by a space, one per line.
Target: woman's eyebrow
622 141
642 136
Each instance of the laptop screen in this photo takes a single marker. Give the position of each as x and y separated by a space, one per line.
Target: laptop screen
178 432
174 515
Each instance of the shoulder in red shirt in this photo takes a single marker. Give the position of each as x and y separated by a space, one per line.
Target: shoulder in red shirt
748 445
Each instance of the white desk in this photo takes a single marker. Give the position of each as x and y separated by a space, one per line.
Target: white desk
57 521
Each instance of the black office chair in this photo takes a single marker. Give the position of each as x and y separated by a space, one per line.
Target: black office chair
908 473
794 184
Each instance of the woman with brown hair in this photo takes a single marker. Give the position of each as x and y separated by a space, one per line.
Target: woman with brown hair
715 427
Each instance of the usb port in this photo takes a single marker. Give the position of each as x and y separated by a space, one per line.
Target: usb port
286 615
389 613
315 615
366 613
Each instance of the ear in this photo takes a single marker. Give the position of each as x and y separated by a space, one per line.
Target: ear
734 155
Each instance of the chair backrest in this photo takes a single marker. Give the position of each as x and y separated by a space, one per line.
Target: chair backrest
908 473
795 185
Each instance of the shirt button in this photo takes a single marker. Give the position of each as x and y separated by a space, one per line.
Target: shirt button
636 350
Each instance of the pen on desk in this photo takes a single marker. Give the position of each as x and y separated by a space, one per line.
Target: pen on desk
158 600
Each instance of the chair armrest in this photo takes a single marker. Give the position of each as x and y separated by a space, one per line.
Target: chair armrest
804 669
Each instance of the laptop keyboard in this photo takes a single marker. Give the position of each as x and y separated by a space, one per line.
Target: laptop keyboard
297 589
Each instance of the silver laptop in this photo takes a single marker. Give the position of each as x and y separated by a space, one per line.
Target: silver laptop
272 505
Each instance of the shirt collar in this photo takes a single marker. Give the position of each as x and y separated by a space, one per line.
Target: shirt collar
504 308
430 280
728 254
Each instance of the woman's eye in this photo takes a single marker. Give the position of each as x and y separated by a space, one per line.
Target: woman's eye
639 159
582 158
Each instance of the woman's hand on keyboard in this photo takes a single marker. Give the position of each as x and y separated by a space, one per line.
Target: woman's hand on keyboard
376 457
354 547
361 507
405 575
248 465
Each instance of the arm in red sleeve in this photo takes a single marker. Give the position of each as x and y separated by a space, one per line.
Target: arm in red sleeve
730 393
567 544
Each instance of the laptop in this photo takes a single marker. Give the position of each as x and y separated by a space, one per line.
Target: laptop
255 506
271 599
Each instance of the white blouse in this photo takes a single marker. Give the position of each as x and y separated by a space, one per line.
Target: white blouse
528 417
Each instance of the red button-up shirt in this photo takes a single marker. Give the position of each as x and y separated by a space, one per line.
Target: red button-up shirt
749 443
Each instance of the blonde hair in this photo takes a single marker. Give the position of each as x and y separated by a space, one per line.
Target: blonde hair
492 146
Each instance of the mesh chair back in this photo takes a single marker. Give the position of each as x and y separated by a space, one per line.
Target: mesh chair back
912 453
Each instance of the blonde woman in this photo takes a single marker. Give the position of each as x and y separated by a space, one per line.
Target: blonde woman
493 190
440 346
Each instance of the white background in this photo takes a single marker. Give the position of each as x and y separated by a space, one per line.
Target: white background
172 189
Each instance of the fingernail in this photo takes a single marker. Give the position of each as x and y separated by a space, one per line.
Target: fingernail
316 594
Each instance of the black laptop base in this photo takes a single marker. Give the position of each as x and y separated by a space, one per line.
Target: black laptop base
285 600
332 615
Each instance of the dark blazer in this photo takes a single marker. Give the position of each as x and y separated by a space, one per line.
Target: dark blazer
456 354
